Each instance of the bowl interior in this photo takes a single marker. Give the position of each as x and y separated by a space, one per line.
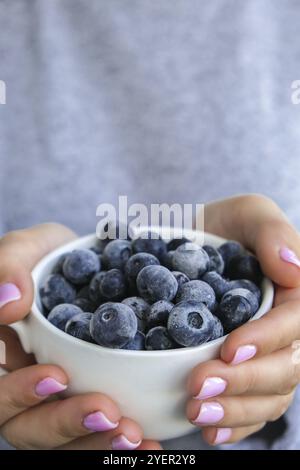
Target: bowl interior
45 266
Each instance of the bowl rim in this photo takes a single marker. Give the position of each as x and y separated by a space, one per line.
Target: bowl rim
86 240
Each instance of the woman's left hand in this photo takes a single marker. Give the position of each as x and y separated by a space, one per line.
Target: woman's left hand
255 378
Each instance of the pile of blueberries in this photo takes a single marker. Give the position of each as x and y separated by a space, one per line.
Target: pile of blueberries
146 294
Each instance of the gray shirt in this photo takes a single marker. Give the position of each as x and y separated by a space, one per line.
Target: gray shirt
175 101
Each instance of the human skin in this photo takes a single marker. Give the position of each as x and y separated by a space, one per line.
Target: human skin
254 379
241 397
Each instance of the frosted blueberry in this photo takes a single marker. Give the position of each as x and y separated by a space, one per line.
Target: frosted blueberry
56 290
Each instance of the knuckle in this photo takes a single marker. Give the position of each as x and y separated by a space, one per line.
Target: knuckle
11 237
60 426
293 378
256 199
250 377
15 439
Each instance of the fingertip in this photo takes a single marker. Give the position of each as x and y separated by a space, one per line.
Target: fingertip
128 435
277 248
16 293
239 346
149 445
209 435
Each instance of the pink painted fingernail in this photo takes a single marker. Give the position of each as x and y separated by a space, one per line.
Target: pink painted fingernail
210 413
289 256
223 435
98 422
8 293
244 353
122 443
48 386
211 387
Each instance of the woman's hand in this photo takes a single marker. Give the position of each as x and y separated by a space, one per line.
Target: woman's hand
27 420
259 368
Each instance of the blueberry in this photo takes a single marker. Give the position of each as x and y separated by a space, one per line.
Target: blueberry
191 260
199 291
191 323
60 314
140 308
80 266
176 242
79 326
237 307
137 262
56 290
150 242
216 262
113 285
58 267
96 249
137 343
116 254
158 338
245 267
156 283
83 293
168 260
218 330
245 284
85 304
230 249
94 287
84 301
100 245
159 313
113 325
181 278
217 282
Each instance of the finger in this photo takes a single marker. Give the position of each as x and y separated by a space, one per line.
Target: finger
127 436
283 295
59 422
149 445
256 377
19 252
240 411
15 356
217 436
275 330
259 224
27 387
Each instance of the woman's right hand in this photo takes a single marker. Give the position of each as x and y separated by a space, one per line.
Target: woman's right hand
27 419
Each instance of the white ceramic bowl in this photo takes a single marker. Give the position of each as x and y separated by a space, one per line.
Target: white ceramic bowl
149 386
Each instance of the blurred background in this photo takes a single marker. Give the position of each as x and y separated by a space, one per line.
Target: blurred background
174 101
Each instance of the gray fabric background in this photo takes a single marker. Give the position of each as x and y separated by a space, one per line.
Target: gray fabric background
173 101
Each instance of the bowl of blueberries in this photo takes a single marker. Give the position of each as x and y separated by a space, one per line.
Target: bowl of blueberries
131 317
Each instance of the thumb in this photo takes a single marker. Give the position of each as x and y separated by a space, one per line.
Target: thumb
260 225
19 253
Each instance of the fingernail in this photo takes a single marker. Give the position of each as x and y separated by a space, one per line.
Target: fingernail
244 353
48 386
289 256
210 413
122 443
211 387
97 421
8 293
223 435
